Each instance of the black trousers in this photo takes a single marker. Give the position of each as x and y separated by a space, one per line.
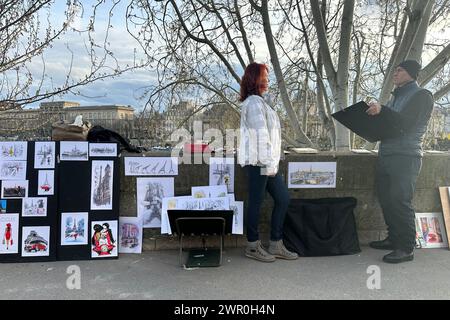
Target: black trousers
396 178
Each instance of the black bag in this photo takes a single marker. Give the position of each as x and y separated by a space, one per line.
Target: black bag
100 134
321 227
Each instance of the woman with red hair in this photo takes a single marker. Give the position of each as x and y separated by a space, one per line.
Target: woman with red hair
259 153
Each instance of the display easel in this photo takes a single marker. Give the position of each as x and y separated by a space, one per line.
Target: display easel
201 223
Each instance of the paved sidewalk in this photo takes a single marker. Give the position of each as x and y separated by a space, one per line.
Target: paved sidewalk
157 275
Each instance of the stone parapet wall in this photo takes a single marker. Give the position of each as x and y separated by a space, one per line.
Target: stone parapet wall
355 178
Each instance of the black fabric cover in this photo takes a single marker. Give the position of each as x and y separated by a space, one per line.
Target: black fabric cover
321 227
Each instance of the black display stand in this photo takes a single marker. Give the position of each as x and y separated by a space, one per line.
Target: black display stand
15 206
75 196
201 223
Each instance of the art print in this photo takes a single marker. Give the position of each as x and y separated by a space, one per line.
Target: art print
104 239
238 217
130 235
150 192
34 207
35 241
431 230
312 175
190 203
102 185
13 170
209 191
44 155
74 228
46 182
221 172
169 203
151 166
9 232
3 206
74 151
102 149
14 189
14 150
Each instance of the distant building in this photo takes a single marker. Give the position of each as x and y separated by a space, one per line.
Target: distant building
36 123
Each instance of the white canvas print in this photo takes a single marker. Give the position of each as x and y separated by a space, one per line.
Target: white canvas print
74 151
44 155
209 191
130 235
9 228
102 185
221 172
104 239
102 149
430 230
13 170
13 150
14 189
238 217
34 207
151 166
35 241
46 182
74 228
190 203
150 192
312 175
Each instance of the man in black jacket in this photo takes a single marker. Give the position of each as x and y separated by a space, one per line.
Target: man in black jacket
400 160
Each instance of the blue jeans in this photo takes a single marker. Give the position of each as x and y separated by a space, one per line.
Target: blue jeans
257 186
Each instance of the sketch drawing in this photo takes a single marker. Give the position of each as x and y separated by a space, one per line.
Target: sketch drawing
130 235
44 155
150 192
34 207
35 241
16 150
9 232
74 150
151 166
102 185
102 150
46 182
221 172
74 228
13 170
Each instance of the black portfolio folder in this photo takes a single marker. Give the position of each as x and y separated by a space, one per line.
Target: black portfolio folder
371 128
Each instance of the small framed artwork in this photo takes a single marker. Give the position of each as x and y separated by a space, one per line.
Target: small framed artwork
445 202
102 185
44 155
221 172
104 239
431 230
74 228
35 241
34 207
3 206
74 151
312 175
102 150
46 182
9 232
14 189
209 191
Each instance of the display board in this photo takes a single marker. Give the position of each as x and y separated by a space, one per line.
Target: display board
29 201
58 201
88 201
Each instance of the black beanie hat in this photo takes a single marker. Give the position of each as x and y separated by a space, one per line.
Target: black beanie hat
412 67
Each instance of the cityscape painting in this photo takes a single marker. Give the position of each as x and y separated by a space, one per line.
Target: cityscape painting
312 175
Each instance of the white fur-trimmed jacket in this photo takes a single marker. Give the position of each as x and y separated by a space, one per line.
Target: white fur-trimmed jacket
260 141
